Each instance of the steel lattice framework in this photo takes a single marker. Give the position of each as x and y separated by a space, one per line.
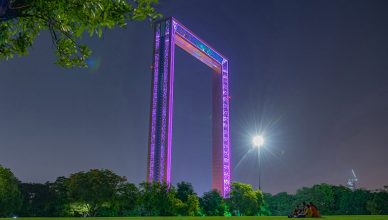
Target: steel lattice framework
168 33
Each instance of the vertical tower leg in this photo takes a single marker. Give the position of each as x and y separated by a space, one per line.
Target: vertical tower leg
159 152
221 160
217 155
226 152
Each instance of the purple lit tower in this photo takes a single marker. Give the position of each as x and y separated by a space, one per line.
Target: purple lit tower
168 33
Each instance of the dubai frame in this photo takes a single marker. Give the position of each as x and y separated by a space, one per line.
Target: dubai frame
168 33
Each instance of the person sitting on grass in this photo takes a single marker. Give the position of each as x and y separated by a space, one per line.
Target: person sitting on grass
298 212
294 214
308 213
314 210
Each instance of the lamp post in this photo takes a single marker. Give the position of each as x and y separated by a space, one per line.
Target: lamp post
258 142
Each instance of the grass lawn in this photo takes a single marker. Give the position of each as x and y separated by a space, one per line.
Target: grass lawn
346 217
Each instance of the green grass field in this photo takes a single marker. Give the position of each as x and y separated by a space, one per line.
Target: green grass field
347 217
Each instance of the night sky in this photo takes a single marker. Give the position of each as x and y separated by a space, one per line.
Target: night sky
312 76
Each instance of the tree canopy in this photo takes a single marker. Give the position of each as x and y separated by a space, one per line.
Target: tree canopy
21 21
321 195
102 193
38 199
159 199
186 194
10 196
244 200
213 204
128 199
94 189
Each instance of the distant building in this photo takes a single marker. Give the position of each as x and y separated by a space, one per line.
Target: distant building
352 181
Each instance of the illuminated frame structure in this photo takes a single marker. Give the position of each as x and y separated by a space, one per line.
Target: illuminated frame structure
168 33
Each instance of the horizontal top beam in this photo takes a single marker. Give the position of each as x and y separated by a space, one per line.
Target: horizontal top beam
197 47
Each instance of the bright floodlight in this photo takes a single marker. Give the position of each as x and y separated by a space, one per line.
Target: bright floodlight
258 141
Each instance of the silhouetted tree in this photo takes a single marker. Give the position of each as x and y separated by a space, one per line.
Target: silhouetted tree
184 190
378 204
10 196
212 204
38 200
281 203
159 199
128 200
92 191
244 200
61 197
185 193
104 193
321 195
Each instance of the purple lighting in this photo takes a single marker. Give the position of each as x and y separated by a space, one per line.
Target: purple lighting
151 151
169 33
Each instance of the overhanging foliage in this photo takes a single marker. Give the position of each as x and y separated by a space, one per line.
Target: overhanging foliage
21 21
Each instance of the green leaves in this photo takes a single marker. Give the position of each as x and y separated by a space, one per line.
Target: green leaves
67 21
10 196
71 54
212 204
91 190
244 200
144 9
16 36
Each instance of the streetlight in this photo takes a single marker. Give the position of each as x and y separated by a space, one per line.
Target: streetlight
258 142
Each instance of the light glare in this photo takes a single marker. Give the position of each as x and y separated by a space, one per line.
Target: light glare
258 141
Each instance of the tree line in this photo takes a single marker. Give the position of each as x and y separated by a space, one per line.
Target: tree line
331 200
104 193
100 192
